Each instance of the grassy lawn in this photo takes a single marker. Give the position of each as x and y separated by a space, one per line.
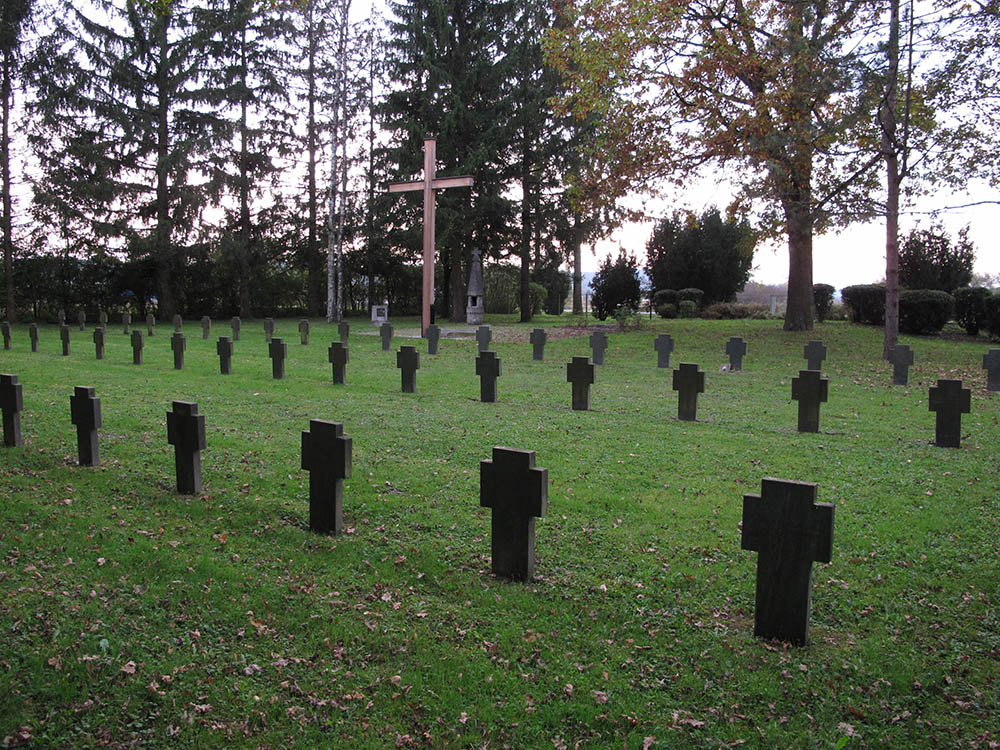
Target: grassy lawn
135 617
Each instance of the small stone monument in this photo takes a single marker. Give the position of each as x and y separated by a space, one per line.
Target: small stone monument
326 455
224 348
950 401
385 331
475 307
810 389
11 405
277 350
517 492
64 337
380 314
901 357
538 338
598 345
736 348
178 323
235 323
580 372
815 353
433 334
408 362
5 327
689 381
488 370
102 319
789 531
81 319
151 324
664 346
206 327
338 356
484 335
344 329
178 344
186 432
126 322
991 363
99 343
62 317
304 331
33 335
85 413
137 344
268 329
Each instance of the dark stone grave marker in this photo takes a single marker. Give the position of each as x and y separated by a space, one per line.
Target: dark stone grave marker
268 329
64 337
484 335
206 327
950 401
62 317
385 331
326 455
408 362
810 389
126 322
488 370
178 323
81 318
11 404
99 343
991 363
137 344
277 350
538 339
689 381
736 348
599 345
901 357
151 324
304 331
664 346
433 334
789 531
517 492
344 329
186 432
33 335
178 345
338 356
85 413
235 323
224 348
102 319
5 327
580 372
815 353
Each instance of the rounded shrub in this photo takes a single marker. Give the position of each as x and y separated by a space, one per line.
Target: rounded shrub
823 299
992 318
667 310
970 308
866 303
665 297
687 308
924 311
692 295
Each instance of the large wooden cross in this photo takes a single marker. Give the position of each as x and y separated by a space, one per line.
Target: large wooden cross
429 184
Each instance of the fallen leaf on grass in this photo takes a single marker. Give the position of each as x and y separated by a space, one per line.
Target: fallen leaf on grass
599 696
129 667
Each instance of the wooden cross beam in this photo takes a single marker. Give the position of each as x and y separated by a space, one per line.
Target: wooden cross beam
428 185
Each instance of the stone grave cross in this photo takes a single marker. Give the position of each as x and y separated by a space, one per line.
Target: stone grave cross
11 404
224 348
151 324
488 370
991 363
338 356
789 531
810 389
81 318
517 492
689 381
126 322
598 345
206 327
580 372
85 413
5 327
484 335
99 343
664 346
901 357
33 335
815 353
235 323
268 329
186 432
433 337
736 348
137 342
950 401
428 185
304 331
344 329
538 339
178 344
64 336
178 323
408 362
277 350
326 455
385 331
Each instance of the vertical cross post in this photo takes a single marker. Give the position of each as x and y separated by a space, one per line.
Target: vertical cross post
62 317
736 348
64 337
344 329
428 185
664 346
538 339
338 356
408 362
433 336
126 322
789 531
102 319
206 327
385 331
901 357
235 323
33 335
99 343
326 455
810 389
580 372
488 370
484 335
81 319
991 363
151 324
137 343
186 432
304 331
5 327
11 404
599 345
517 492
224 348
268 329
178 344
689 381
277 350
950 401
815 353
85 413
178 323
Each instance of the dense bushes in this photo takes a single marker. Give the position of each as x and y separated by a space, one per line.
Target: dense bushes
823 299
924 311
992 317
735 311
866 303
615 285
692 294
970 308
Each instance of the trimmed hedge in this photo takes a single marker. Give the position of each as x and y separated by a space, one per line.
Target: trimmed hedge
687 308
735 311
970 308
667 310
664 298
924 311
691 294
823 299
992 321
866 303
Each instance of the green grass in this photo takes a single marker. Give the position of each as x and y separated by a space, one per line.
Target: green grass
133 616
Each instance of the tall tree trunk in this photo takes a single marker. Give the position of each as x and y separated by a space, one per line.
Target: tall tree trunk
890 153
577 266
333 302
800 309
8 225
525 233
370 208
162 236
314 260
243 244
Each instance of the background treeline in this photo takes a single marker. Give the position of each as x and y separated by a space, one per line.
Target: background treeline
228 157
